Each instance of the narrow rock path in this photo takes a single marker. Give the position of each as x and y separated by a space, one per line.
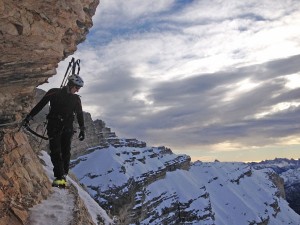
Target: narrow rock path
57 209
72 206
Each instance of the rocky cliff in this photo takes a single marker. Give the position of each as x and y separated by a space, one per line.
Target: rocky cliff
289 172
34 37
117 176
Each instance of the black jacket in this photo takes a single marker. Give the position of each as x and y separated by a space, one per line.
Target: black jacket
63 106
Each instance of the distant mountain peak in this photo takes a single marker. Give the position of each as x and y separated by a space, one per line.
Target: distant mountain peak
152 185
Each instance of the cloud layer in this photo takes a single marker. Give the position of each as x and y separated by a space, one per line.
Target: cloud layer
195 74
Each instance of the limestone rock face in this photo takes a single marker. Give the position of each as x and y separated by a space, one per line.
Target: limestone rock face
80 213
286 178
91 136
279 183
34 37
22 179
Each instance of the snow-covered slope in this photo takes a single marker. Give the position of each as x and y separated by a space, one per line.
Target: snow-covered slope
112 166
291 176
279 165
289 170
292 188
154 186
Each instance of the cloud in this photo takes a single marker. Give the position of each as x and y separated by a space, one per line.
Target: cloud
194 73
196 108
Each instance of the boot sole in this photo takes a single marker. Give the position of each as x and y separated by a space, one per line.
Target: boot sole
62 186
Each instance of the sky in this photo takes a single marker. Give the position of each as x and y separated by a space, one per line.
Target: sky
213 79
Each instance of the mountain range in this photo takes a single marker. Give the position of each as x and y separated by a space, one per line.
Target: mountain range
289 170
152 185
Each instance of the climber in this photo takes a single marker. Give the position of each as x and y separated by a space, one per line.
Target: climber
64 104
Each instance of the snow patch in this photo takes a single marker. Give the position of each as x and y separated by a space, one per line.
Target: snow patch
58 208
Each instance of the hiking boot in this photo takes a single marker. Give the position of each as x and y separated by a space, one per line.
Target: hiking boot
59 182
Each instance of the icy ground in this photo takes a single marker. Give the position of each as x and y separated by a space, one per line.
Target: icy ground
58 207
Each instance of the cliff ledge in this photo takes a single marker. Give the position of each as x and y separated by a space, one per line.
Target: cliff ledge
34 37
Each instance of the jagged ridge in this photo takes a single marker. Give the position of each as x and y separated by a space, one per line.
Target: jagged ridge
289 171
155 186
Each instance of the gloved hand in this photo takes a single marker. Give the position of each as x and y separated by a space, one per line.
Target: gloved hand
81 135
25 122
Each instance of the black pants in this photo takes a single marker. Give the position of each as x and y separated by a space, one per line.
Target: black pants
60 139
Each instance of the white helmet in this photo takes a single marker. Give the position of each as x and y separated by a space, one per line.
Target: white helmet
77 80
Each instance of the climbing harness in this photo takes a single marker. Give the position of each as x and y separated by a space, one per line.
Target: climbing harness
27 127
35 133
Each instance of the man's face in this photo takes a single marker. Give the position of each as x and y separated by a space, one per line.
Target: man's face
74 89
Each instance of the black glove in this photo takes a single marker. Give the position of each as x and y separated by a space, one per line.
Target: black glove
25 122
81 135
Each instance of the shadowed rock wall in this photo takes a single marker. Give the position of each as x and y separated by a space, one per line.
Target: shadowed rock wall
34 37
